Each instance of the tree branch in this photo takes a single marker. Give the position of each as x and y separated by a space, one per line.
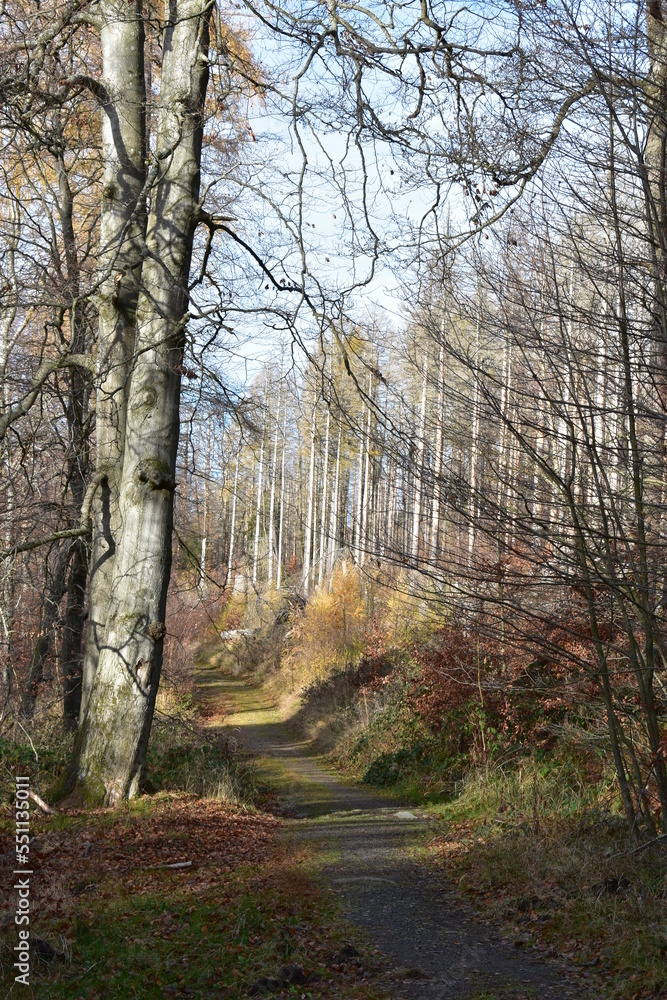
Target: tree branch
58 536
45 370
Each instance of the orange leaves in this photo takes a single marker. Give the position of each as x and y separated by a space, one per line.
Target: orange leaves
330 632
109 850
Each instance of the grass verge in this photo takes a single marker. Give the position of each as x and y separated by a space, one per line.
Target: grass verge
122 925
111 919
556 872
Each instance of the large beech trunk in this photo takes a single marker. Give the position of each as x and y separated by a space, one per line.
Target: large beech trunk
113 735
122 236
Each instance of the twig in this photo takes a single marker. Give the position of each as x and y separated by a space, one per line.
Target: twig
27 735
642 847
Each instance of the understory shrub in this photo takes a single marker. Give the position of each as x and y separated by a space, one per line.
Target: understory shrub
41 755
190 760
328 634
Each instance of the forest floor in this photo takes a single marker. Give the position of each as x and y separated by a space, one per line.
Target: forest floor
265 872
371 852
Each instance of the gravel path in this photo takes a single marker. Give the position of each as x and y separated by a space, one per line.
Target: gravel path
366 851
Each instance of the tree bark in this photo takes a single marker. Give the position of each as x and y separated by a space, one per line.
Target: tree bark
204 537
78 462
122 236
437 461
260 474
53 595
230 560
365 500
281 516
359 488
474 453
333 528
310 507
73 629
325 484
272 502
111 743
419 468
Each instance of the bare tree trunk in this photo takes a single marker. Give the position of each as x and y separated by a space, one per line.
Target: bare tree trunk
359 483
7 341
656 160
392 505
70 571
419 467
272 503
111 743
53 595
78 462
437 463
202 559
655 185
503 458
73 629
255 557
230 560
6 608
474 456
333 528
281 529
325 484
365 500
310 503
122 234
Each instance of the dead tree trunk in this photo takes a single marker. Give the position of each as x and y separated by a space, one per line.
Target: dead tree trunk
53 595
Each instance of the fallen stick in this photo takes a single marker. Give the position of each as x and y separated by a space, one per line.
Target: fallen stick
177 864
44 806
642 847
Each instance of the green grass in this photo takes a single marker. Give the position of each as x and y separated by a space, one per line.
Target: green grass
396 750
126 928
200 764
548 856
167 941
40 757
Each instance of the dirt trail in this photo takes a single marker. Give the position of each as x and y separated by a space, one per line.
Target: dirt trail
366 848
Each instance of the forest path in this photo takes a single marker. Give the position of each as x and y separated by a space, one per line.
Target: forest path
367 849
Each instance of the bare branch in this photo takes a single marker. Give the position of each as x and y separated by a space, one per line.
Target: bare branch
58 536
